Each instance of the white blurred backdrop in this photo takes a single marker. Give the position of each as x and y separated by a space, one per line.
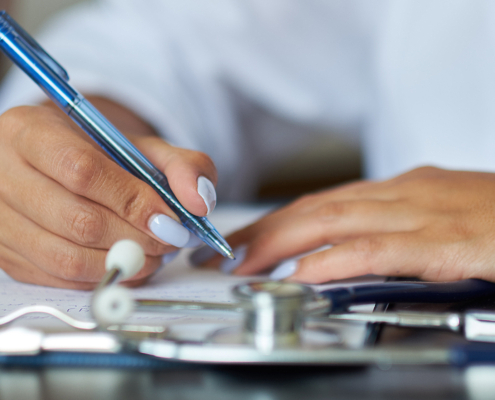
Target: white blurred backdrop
33 13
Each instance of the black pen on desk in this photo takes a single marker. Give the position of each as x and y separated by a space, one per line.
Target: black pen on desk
28 55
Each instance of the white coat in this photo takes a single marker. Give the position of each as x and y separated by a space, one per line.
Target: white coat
412 80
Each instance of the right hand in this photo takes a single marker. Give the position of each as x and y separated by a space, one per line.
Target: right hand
63 202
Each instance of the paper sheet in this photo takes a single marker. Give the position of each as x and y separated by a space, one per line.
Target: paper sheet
175 281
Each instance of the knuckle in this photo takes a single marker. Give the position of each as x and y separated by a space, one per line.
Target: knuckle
427 169
137 203
311 270
69 263
204 162
12 121
367 250
82 167
86 224
333 210
306 199
21 115
12 115
420 172
18 114
202 159
426 175
305 203
194 157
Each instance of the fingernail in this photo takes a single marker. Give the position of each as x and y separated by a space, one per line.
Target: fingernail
169 257
193 241
207 191
284 270
169 230
201 255
227 265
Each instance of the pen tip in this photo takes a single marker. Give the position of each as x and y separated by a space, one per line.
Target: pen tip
231 255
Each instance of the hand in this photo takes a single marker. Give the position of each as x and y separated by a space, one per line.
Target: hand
63 202
429 223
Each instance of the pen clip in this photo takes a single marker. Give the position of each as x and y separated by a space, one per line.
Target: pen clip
34 46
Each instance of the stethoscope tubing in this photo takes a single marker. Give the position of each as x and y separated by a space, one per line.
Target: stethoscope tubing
409 292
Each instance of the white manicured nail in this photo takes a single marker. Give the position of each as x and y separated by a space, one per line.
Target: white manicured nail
194 241
227 265
169 230
207 191
169 257
284 270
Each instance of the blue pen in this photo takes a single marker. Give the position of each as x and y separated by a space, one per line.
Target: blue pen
28 55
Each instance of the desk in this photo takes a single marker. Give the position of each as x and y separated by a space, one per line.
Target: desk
267 383
238 384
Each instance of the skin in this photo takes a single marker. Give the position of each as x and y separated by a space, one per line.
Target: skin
58 215
429 223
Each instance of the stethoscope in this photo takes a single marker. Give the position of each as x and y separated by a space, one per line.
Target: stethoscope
284 320
281 322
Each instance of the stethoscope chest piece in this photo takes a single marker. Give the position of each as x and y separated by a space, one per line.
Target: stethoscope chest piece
274 315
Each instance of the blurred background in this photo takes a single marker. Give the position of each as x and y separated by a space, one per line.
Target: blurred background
324 162
31 14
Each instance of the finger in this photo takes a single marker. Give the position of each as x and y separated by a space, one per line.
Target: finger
77 166
70 216
363 190
191 174
207 257
391 254
277 220
299 228
18 268
333 223
55 255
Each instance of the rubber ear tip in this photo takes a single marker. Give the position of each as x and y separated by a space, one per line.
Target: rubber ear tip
112 305
126 255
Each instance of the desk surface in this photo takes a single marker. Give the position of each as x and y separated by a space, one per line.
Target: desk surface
236 383
267 383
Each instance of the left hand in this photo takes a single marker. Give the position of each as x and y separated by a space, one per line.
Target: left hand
429 223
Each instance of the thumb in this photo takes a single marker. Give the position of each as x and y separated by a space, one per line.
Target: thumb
191 174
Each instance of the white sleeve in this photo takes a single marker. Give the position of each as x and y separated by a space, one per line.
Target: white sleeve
195 69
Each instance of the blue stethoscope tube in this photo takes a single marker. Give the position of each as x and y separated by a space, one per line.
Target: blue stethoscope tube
409 292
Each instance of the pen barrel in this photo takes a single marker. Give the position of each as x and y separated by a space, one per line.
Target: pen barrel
131 159
124 153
